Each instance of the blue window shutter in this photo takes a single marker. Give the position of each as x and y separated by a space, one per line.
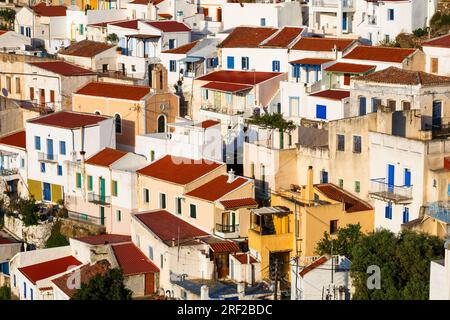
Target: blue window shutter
321 111
37 143
407 177
22 30
362 106
62 147
42 166
448 190
59 170
230 62
405 215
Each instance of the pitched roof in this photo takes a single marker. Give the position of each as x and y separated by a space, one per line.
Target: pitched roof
384 54
244 258
352 203
154 2
311 61
332 94
283 38
106 157
178 170
127 24
16 139
239 203
207 124
239 77
169 26
63 68
69 119
321 44
104 239
48 268
49 11
167 226
114 90
226 87
350 68
216 188
184 49
131 260
313 265
224 246
247 37
85 48
4 240
86 273
441 42
393 75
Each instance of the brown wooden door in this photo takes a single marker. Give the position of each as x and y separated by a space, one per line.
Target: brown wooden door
347 79
149 283
434 65
222 264
52 96
41 96
205 12
31 93
219 14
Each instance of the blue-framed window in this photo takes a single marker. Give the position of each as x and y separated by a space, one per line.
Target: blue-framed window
24 289
405 214
448 190
28 32
321 111
171 43
388 211
172 66
324 176
276 66
262 22
390 14
43 167
150 252
62 147
296 71
362 106
245 63
59 168
31 293
230 62
340 142
37 143
22 30
407 181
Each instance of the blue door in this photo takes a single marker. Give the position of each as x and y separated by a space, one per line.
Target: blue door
391 173
437 114
47 192
407 177
344 21
321 111
230 62
362 106
405 215
49 149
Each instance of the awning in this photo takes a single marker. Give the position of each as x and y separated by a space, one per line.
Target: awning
350 68
226 86
191 59
311 61
142 36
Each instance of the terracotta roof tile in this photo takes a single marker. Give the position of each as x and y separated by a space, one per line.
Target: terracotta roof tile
127 24
441 42
239 203
132 261
247 37
184 49
239 77
49 11
350 68
179 170
283 38
244 258
17 139
49 268
332 94
168 26
217 188
224 246
4 240
145 2
165 15
393 75
352 203
226 87
313 265
311 61
384 54
102 239
63 68
69 119
167 226
321 44
115 90
85 48
106 157
207 124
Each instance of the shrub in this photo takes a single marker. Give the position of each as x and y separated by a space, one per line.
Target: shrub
5 293
56 239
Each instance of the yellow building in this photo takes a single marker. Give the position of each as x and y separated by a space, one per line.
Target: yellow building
435 220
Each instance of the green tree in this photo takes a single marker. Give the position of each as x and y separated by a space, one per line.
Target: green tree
8 15
108 286
272 121
27 208
5 293
56 239
112 37
342 242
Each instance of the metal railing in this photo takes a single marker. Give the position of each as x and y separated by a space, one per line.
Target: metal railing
86 218
380 189
8 172
98 198
333 3
47 157
439 210
225 228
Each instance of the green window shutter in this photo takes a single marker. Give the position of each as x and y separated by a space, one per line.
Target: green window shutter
341 183
78 180
253 170
357 186
152 155
90 183
119 215
193 211
115 193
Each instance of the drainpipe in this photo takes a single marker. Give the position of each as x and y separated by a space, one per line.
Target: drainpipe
83 168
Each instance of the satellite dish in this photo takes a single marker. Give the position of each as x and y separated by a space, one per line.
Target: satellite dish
5 92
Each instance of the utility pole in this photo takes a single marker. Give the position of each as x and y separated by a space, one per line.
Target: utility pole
276 280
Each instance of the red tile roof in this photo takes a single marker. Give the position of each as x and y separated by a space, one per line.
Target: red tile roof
127 24
352 203
105 23
247 37
7 240
332 94
154 2
441 42
63 68
69 119
178 170
239 203
167 226
86 272
132 261
17 139
224 246
85 48
350 68
226 87
165 15
321 44
169 26
115 90
184 49
283 38
239 77
106 157
217 188
313 265
49 268
384 54
49 11
207 124
244 258
104 239
311 61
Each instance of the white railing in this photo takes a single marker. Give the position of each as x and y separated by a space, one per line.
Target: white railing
379 188
47 157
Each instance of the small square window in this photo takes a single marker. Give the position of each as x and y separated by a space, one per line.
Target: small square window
42 167
146 195
333 226
59 170
193 211
133 68
341 183
357 144
340 142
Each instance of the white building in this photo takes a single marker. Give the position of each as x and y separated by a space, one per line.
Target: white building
13 42
332 17
440 277
437 55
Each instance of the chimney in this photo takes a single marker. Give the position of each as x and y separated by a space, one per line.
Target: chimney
241 289
173 242
309 184
231 176
204 292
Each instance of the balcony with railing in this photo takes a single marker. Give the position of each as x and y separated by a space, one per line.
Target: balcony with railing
85 218
99 198
345 4
382 190
47 157
8 172
227 231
